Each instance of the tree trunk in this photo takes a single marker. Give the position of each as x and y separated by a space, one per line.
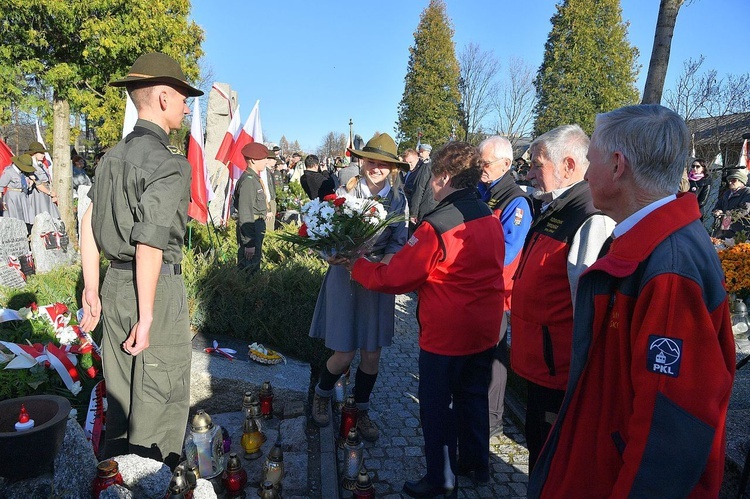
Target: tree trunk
62 172
657 68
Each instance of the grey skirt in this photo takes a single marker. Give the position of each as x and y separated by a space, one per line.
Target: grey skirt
348 316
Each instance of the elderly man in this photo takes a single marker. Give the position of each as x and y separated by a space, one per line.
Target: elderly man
417 188
137 218
564 240
251 203
510 205
644 414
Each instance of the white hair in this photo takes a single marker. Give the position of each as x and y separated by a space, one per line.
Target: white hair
500 146
561 142
655 140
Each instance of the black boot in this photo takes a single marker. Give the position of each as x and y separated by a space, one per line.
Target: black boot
420 488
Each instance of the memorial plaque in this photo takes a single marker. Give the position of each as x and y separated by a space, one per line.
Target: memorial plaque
11 277
14 239
50 244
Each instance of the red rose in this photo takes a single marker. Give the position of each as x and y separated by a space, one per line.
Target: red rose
33 306
329 197
339 201
91 372
303 230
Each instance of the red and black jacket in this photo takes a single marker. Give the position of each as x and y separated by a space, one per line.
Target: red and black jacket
542 314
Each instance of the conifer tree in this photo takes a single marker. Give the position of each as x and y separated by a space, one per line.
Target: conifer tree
589 65
431 99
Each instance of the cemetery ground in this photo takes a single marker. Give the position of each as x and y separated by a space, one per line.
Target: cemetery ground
274 307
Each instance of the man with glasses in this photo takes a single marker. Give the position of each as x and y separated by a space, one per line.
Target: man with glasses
510 205
732 210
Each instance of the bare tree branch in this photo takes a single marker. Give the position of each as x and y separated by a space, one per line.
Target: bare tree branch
477 86
515 101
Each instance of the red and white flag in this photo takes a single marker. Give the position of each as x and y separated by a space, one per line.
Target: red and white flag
200 187
251 132
5 155
47 161
350 145
230 136
131 116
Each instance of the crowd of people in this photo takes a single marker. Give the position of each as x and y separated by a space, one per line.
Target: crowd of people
612 288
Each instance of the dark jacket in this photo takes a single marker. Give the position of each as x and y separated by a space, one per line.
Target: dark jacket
701 188
418 191
317 184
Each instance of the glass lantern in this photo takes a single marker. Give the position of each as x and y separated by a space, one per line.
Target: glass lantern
204 446
740 324
353 450
273 467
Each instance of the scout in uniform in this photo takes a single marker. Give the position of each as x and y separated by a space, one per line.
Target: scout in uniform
137 218
251 203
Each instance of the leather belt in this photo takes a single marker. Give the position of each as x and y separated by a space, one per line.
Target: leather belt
166 268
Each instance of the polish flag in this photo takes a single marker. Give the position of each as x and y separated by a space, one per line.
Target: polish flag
131 116
47 161
200 186
5 155
251 132
230 136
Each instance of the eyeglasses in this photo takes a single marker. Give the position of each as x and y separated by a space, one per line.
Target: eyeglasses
488 163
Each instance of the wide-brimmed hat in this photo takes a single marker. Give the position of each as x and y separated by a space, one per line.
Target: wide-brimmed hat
255 150
271 154
380 148
23 162
36 147
156 67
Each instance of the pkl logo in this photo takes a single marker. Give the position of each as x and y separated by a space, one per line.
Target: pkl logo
664 355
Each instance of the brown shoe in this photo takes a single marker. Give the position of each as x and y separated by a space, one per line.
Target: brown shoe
368 430
321 410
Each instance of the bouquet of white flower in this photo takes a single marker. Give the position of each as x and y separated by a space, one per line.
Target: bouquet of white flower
341 226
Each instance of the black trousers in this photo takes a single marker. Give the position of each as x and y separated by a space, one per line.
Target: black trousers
542 406
454 412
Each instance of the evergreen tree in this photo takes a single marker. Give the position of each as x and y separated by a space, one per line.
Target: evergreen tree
431 99
589 66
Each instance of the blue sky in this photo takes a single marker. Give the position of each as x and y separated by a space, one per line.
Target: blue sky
315 65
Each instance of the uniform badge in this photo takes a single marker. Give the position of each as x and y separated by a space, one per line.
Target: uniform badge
412 241
518 216
664 355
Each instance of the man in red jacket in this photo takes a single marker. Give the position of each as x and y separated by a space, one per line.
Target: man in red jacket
565 238
653 353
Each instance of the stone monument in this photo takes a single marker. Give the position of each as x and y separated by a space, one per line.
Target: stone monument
50 243
221 100
15 256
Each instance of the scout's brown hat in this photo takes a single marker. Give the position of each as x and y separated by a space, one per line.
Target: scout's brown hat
36 147
380 148
255 151
23 162
271 154
156 67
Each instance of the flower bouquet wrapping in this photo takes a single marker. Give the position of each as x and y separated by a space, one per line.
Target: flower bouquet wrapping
345 226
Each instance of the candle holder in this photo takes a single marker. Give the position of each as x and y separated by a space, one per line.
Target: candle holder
268 491
339 392
234 477
107 474
353 449
364 488
252 439
273 468
349 414
179 487
204 446
266 400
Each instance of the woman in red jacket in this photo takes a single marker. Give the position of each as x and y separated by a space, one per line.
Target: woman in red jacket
455 261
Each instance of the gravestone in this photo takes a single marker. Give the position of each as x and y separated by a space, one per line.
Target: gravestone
83 201
217 122
15 256
50 244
